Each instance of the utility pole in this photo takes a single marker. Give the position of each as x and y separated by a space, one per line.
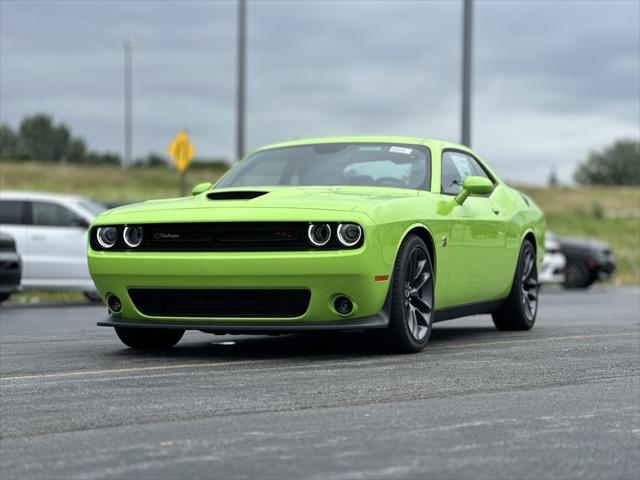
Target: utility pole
128 100
240 88
467 34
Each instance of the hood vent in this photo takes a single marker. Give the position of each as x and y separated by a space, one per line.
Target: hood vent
234 195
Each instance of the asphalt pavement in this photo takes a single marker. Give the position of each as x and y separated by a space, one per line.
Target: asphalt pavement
560 401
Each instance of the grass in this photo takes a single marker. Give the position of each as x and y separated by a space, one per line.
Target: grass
610 214
102 182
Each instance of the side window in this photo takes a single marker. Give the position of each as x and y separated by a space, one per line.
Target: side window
13 212
456 167
53 215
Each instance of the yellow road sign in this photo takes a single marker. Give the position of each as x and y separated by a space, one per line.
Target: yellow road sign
182 151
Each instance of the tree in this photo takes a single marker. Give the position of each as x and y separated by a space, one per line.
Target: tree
37 138
8 143
617 164
40 139
77 151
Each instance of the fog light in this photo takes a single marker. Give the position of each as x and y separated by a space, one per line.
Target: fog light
132 236
343 305
114 303
319 234
107 236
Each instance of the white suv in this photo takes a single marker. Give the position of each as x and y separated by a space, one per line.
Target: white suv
50 231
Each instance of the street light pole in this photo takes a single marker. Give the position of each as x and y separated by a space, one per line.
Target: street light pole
128 100
240 88
467 33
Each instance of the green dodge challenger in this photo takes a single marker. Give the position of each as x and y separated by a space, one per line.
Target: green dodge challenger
387 234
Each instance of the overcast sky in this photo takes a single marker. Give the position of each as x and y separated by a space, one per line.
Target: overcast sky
552 79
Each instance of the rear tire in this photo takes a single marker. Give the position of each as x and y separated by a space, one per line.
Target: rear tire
4 296
148 338
577 274
411 298
521 306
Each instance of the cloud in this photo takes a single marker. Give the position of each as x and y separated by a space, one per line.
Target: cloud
552 80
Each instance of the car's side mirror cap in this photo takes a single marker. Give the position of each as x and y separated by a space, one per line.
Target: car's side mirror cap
474 186
201 188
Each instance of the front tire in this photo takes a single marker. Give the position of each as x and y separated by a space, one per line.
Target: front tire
4 296
521 306
148 338
412 291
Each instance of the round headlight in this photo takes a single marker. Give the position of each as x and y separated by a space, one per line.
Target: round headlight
319 234
107 236
132 236
349 234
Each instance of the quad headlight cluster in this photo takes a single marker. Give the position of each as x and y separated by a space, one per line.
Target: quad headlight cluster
347 234
107 237
232 236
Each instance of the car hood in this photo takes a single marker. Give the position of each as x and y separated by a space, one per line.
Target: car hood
309 198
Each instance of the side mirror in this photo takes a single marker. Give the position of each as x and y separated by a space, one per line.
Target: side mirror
474 186
200 188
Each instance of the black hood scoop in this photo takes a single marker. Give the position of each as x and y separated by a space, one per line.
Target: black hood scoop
235 195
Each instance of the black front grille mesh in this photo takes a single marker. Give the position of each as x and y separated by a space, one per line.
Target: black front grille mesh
162 302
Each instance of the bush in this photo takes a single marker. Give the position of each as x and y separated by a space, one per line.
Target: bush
618 164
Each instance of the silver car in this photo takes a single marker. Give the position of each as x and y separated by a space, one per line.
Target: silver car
50 231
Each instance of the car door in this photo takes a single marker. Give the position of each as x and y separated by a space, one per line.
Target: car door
476 239
56 245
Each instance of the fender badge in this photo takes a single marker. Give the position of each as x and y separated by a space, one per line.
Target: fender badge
444 241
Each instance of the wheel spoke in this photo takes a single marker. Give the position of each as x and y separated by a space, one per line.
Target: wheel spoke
421 304
422 280
420 265
413 322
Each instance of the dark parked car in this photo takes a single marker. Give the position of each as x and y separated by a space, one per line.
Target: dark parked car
588 261
10 267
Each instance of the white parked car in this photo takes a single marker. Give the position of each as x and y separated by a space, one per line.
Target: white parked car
554 262
50 231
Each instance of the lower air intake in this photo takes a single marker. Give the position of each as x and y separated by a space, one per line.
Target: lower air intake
162 302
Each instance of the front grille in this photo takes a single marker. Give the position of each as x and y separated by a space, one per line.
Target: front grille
162 302
224 236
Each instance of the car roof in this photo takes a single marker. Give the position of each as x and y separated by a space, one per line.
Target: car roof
429 142
35 195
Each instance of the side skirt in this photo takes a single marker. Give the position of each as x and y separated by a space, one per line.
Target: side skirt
479 308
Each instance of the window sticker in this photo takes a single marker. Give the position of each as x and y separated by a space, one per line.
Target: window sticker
406 151
369 148
462 166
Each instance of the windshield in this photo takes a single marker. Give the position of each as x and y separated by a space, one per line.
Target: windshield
364 164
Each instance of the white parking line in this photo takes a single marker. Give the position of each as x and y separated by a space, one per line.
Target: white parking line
258 362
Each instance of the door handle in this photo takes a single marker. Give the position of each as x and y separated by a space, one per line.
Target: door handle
38 238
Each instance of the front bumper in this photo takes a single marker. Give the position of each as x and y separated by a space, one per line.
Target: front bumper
552 269
10 272
325 274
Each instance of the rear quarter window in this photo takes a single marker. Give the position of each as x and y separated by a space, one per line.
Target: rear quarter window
13 212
